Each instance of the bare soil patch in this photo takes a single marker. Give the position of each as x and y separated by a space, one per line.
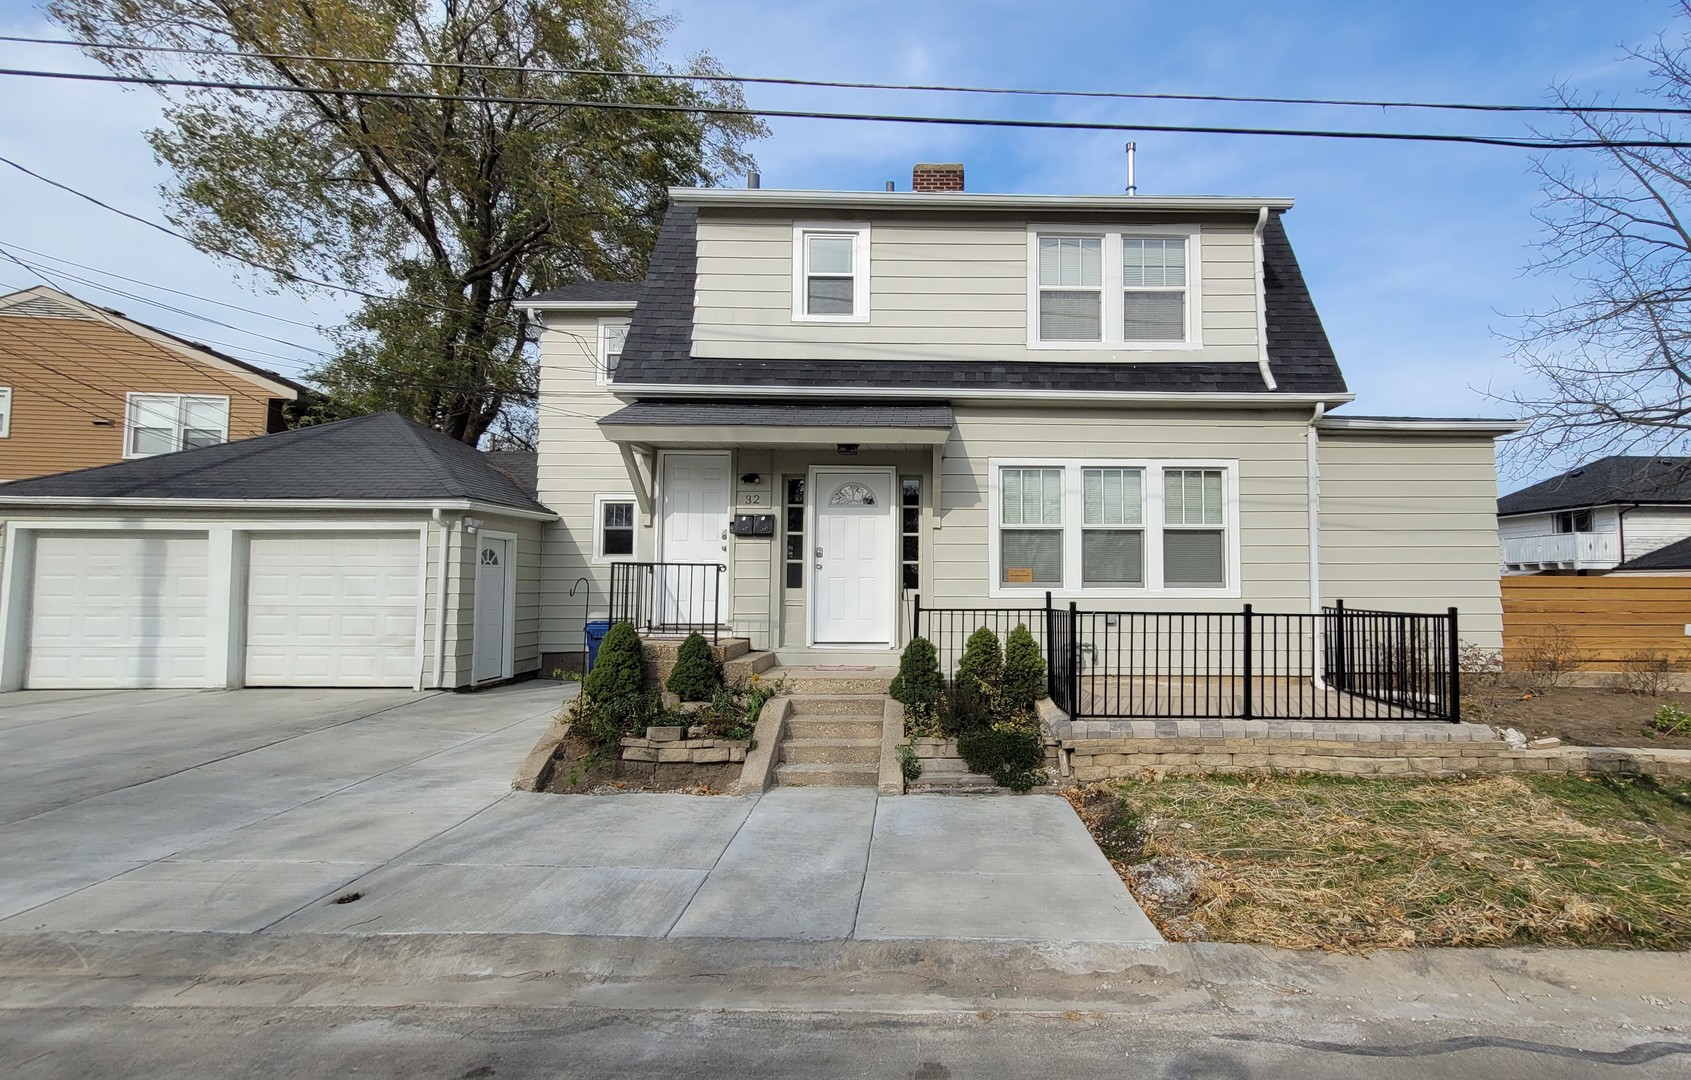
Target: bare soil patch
578 770
1582 716
1353 865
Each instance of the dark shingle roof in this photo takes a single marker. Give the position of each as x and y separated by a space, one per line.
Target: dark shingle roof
378 458
1617 479
660 341
615 292
782 414
1676 556
523 466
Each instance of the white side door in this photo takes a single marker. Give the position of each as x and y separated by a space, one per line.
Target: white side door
118 610
854 563
332 609
696 495
492 608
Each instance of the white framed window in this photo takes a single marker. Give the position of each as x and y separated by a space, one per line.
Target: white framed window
5 412
1128 528
831 272
1097 287
613 528
164 423
613 334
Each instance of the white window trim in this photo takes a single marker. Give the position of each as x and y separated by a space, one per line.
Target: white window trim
602 350
859 230
5 412
129 419
1073 526
599 556
1113 288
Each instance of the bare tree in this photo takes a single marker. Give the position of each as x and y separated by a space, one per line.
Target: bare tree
1612 363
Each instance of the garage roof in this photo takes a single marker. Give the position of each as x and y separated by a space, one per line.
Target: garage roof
378 458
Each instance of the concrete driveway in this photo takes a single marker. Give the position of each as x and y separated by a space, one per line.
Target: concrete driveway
254 811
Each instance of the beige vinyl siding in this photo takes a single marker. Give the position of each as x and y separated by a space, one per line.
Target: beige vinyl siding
1273 509
1409 523
953 288
461 601
576 463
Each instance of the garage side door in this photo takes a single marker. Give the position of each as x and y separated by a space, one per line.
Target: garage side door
111 610
331 609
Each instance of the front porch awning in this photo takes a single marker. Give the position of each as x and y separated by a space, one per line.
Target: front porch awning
730 424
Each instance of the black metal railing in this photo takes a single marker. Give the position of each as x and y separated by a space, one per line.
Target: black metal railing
668 598
1340 664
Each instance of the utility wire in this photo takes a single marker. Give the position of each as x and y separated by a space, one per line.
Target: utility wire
886 118
1115 95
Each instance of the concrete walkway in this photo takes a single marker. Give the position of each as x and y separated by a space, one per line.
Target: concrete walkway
254 811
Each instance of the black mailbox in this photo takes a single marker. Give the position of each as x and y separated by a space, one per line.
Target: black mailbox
753 525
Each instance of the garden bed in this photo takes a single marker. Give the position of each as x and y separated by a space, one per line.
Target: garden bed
578 770
1583 716
1354 865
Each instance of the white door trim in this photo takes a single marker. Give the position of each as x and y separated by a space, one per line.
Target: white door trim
724 605
812 502
508 633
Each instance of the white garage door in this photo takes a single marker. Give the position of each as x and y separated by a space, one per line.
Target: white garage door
118 610
332 609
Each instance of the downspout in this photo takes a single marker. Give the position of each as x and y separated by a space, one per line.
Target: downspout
1313 449
1262 307
440 601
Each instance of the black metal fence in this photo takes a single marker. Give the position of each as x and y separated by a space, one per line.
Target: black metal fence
1340 664
668 598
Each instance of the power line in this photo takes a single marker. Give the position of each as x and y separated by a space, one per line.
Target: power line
886 118
1115 95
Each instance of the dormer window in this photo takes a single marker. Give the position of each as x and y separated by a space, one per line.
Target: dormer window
1113 288
831 273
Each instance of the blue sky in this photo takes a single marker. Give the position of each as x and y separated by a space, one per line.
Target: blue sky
1414 252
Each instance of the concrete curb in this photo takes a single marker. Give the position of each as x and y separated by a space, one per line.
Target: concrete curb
536 770
891 780
759 769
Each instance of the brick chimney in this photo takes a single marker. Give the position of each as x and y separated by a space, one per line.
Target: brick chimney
929 177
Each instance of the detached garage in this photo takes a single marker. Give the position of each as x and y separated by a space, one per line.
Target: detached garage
371 552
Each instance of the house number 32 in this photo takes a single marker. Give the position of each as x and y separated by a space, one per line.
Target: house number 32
751 498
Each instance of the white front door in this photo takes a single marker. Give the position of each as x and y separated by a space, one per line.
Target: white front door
112 609
695 538
853 561
493 609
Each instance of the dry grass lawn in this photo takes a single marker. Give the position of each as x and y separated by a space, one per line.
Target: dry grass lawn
1334 863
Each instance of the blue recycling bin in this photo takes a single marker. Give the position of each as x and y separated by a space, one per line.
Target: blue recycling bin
595 632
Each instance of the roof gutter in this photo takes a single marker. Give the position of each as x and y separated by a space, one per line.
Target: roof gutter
1262 308
630 391
532 307
1410 425
960 200
70 502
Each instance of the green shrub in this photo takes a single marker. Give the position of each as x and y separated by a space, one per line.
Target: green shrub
620 670
1671 720
908 763
1011 756
918 684
698 673
1024 670
969 705
982 661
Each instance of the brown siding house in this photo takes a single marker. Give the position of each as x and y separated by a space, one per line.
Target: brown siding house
82 385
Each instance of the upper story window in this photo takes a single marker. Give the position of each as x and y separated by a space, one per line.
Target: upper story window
162 423
5 412
831 273
613 334
1103 288
1572 521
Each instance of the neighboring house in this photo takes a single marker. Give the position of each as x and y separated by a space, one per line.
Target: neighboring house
852 400
82 385
1620 513
311 557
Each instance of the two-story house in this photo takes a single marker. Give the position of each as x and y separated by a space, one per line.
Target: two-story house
1623 512
82 385
852 401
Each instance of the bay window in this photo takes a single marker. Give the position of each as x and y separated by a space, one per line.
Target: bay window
1115 528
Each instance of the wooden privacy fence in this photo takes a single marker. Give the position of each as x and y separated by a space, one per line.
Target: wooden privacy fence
1608 622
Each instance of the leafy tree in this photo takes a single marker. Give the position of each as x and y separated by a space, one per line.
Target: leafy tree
450 199
698 673
1612 360
1024 669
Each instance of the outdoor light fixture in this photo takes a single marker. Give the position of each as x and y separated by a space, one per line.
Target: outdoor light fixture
472 524
750 479
847 448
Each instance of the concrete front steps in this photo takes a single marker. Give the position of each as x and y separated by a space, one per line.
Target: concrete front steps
832 739
949 776
739 662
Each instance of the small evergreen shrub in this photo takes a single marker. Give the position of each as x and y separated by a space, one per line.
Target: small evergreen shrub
918 685
969 705
1024 670
982 661
698 673
1011 756
620 670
